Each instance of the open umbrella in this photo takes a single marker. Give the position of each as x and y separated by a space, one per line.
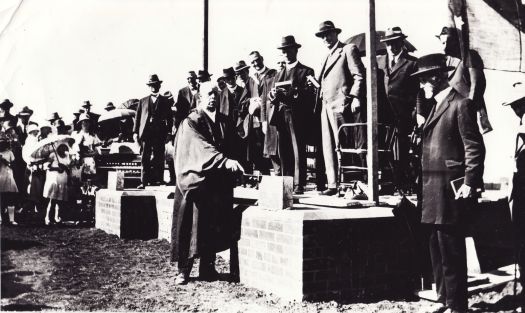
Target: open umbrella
359 41
131 104
116 114
45 147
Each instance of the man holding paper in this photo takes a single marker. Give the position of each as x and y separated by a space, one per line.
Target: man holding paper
342 81
453 152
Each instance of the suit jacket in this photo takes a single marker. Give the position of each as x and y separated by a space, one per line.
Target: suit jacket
300 100
452 147
183 105
342 76
400 88
230 103
145 110
264 84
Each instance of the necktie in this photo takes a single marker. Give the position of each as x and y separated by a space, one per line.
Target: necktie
392 63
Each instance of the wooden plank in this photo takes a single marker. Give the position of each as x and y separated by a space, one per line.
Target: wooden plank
371 88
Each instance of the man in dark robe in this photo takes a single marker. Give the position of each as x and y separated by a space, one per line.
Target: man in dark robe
203 205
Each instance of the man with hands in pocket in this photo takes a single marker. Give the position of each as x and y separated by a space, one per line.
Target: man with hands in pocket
342 87
452 149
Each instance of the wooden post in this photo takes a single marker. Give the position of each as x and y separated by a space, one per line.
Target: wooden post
371 104
205 37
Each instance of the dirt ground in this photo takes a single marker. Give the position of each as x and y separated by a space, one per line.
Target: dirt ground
80 268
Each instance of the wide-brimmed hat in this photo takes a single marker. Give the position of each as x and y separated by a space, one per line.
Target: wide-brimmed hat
393 33
228 72
86 104
83 117
191 74
239 66
54 116
515 94
32 127
6 104
203 74
25 111
109 106
432 63
153 80
325 27
288 42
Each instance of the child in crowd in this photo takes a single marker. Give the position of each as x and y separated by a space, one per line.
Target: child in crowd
8 188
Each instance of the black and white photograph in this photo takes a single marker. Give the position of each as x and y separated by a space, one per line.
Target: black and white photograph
262 156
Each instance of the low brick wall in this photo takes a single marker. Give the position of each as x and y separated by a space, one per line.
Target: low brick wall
324 254
134 214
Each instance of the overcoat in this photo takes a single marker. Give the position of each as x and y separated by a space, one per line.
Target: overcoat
452 147
264 84
144 110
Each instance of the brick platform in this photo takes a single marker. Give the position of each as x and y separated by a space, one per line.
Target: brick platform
324 253
134 214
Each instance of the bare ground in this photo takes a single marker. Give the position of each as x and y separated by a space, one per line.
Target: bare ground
72 268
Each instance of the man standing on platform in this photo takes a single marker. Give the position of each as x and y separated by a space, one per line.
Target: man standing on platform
293 100
203 203
185 98
452 163
401 90
153 123
342 81
265 77
517 197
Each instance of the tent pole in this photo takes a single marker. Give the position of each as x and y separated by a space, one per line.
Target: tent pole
205 37
371 117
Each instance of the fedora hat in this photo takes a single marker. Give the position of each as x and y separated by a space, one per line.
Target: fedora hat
153 79
6 104
203 74
191 74
109 106
25 111
288 42
54 116
516 93
86 104
228 72
325 27
448 31
241 65
432 63
393 33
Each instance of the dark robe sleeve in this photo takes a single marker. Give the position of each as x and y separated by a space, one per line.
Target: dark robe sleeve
195 156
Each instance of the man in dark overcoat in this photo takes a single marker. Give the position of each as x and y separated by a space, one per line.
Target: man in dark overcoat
265 77
185 98
153 123
203 207
453 153
401 90
293 113
339 98
516 101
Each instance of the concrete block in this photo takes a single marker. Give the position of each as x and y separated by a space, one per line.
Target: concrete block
276 192
116 180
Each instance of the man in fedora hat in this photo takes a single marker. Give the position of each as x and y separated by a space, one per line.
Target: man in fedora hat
153 123
516 101
398 99
185 98
339 98
23 121
452 163
202 77
109 107
5 114
264 77
86 108
294 101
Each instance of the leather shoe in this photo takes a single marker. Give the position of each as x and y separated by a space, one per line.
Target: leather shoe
181 279
329 192
298 190
209 274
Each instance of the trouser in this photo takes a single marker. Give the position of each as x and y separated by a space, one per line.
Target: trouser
153 151
401 159
449 265
353 137
255 151
292 150
207 264
517 206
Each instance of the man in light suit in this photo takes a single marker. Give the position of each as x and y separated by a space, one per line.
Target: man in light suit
452 150
153 123
401 89
293 113
342 81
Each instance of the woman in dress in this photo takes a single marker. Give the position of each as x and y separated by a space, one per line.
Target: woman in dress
8 188
87 145
56 185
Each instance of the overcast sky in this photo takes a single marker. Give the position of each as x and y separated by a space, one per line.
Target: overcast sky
57 53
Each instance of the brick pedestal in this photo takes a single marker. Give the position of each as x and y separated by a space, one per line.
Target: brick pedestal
322 254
